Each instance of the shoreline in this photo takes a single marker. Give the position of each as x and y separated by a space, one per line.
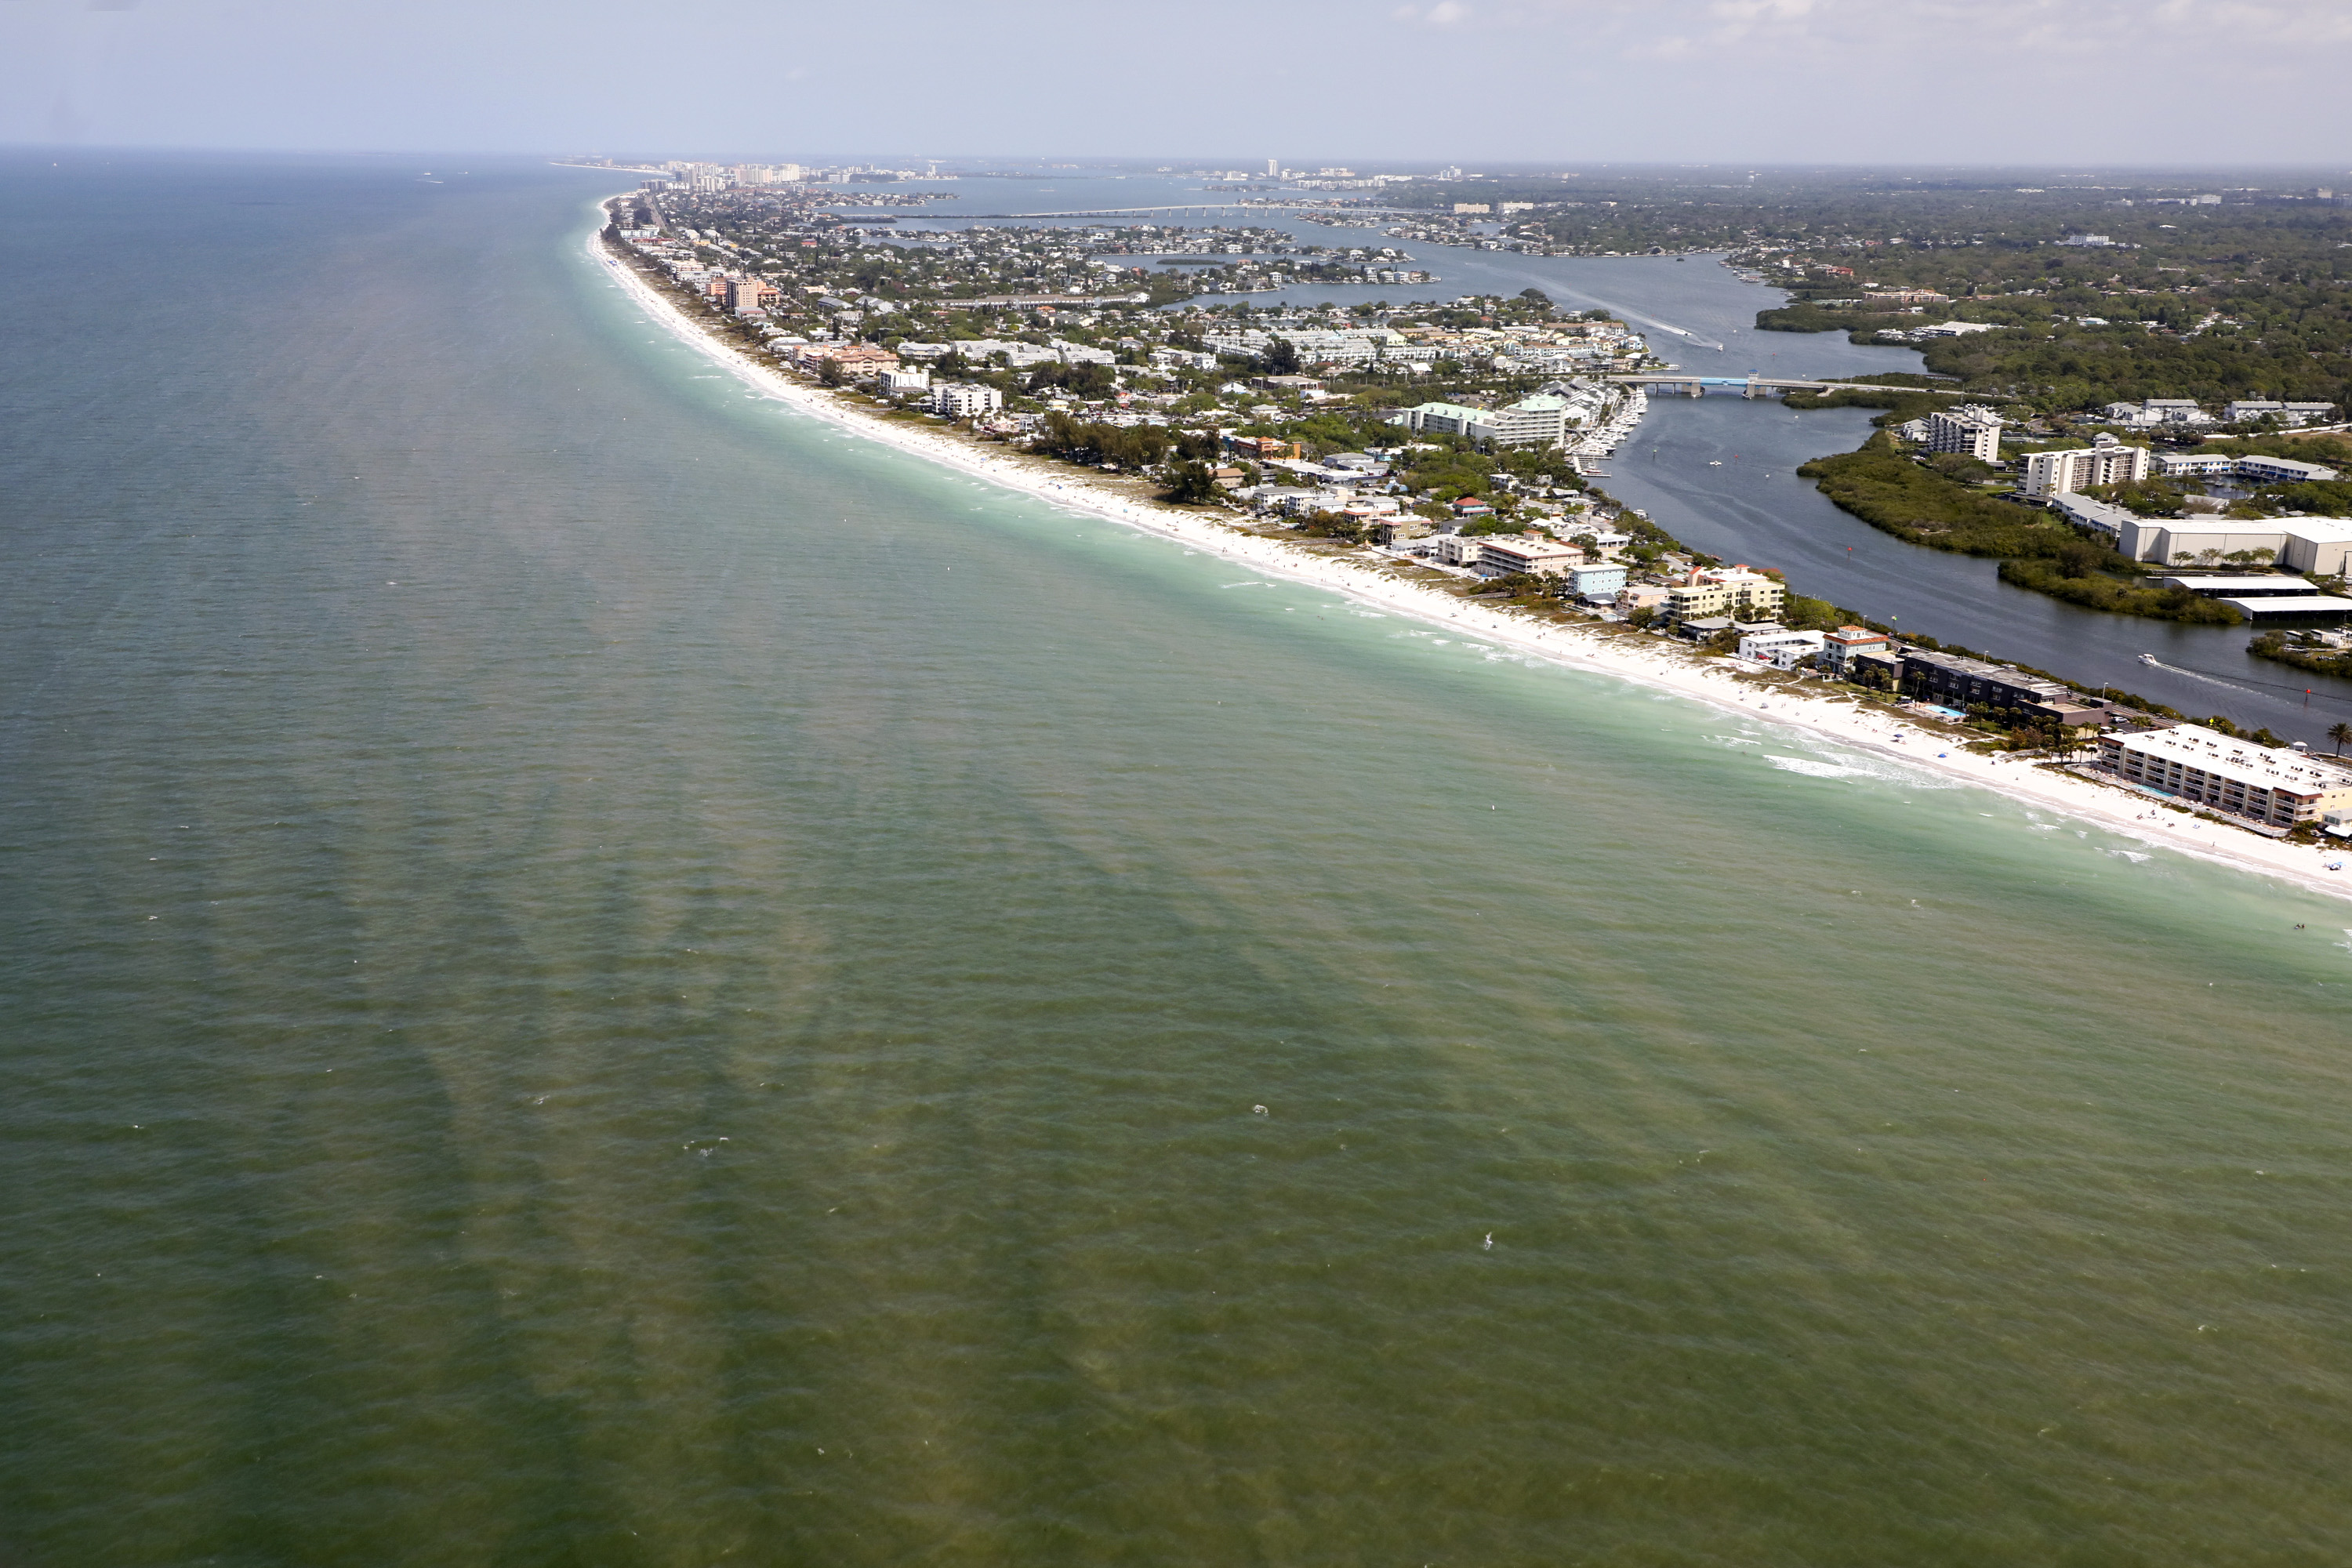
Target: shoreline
1877 731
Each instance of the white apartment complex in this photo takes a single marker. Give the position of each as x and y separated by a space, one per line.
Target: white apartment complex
962 400
2158 411
2106 462
1538 421
2270 784
2289 413
2251 465
1973 430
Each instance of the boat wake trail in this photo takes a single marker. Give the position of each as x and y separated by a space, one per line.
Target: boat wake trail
2193 674
1551 285
2310 693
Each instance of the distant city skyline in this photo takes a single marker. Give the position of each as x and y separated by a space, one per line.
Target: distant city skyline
1566 81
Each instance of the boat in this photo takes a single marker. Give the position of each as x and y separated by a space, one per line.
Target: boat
2148 659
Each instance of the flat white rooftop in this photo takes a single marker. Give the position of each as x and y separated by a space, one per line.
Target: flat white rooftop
2250 587
2227 756
2298 605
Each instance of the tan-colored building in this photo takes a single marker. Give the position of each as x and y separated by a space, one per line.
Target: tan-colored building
2271 784
750 294
1525 552
1719 591
857 361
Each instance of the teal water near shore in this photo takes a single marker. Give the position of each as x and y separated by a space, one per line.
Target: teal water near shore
598 972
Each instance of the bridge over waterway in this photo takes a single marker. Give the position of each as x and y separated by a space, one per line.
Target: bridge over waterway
1754 385
1370 215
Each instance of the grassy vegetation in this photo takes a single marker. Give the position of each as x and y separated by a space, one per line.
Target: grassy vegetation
2096 591
2319 661
1920 505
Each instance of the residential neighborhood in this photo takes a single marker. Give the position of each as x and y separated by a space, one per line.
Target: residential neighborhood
1467 440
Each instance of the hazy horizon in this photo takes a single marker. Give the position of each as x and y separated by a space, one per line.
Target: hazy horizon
2020 83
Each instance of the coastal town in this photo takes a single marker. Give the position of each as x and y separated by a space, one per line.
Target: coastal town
1461 446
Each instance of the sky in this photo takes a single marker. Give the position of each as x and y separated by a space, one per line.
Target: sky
1567 82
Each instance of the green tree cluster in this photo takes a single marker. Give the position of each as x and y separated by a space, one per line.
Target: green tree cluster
1093 443
1916 504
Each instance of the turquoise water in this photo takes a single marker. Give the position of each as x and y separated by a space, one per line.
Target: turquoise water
596 972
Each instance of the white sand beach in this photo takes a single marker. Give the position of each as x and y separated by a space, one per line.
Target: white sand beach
1821 711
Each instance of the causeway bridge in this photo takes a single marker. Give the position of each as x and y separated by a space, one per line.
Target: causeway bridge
1198 210
1754 386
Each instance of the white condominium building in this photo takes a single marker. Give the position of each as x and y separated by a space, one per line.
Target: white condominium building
2270 784
2109 462
1538 421
961 400
1976 431
2280 470
2247 408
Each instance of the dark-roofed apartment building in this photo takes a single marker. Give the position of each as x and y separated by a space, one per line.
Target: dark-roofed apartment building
1957 681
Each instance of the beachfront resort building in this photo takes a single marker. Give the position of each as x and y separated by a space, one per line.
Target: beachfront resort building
962 400
1973 430
2106 461
2274 786
1526 553
858 361
1721 590
1954 681
749 296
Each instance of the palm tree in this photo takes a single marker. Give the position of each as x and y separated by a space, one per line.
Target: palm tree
2341 733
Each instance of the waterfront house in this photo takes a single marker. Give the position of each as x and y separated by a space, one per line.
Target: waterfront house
1843 644
1781 649
1599 580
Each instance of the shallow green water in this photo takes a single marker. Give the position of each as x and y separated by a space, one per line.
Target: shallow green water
596 973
